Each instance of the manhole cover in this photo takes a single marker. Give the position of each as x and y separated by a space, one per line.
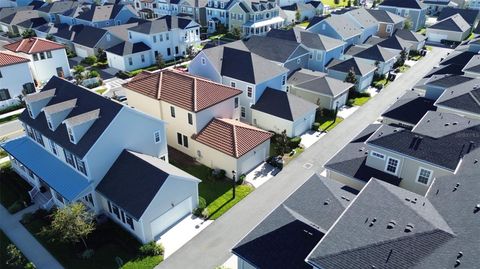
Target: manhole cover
307 165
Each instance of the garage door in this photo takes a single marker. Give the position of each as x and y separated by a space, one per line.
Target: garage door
253 161
173 215
436 37
301 127
81 52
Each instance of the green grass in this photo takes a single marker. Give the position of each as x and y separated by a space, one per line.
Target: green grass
422 31
360 101
471 36
4 242
331 3
3 153
403 68
415 58
217 193
304 24
13 190
9 118
101 90
327 124
108 241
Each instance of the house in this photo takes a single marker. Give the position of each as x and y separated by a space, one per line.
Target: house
396 44
388 22
51 12
186 103
318 88
195 9
103 16
408 110
366 21
363 70
279 111
234 65
342 27
434 86
453 28
471 16
305 11
295 226
417 40
72 153
434 7
216 13
462 99
168 36
322 48
471 69
289 54
413 10
254 17
47 58
128 56
13 66
21 20
379 56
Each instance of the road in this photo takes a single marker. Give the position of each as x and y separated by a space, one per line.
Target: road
11 129
212 246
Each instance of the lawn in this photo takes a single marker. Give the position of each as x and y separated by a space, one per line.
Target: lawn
303 24
327 124
360 101
217 193
13 190
101 90
403 68
4 242
331 3
112 245
9 118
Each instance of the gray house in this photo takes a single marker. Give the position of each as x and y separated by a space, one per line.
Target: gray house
363 70
454 28
413 10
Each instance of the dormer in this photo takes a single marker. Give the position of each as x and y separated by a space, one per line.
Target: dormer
35 102
78 125
56 113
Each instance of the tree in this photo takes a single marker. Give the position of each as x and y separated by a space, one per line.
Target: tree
351 78
236 32
28 33
282 142
403 57
15 257
101 55
50 37
160 61
297 15
78 73
356 3
374 4
71 224
408 24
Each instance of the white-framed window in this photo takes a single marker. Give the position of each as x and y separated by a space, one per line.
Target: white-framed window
70 135
53 146
235 101
284 80
232 84
392 165
204 61
319 56
172 111
35 57
182 140
81 166
377 155
161 37
389 28
424 175
156 137
249 91
190 118
154 39
130 61
49 54
243 113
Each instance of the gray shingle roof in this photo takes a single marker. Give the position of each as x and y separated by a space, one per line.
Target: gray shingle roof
464 97
396 43
283 105
275 49
128 48
412 4
308 39
469 15
102 13
410 108
344 25
410 35
163 24
286 236
364 17
473 65
318 82
377 53
360 67
59 7
455 23
385 16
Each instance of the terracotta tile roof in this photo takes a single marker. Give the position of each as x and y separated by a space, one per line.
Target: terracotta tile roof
184 90
33 45
232 137
9 59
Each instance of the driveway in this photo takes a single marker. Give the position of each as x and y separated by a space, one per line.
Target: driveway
212 246
261 174
11 129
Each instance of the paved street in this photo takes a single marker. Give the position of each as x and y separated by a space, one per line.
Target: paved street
212 246
11 129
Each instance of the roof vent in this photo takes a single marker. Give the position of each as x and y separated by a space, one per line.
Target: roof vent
456 186
455 123
460 254
326 202
373 222
477 208
408 228
457 264
391 224
475 161
446 124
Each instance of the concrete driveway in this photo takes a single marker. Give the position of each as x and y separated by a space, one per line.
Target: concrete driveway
261 174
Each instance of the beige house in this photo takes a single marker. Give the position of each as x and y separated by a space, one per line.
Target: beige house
190 106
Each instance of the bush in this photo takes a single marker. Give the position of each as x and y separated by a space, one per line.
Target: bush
315 126
15 207
90 60
202 204
205 213
152 249
27 218
241 179
294 142
93 74
218 174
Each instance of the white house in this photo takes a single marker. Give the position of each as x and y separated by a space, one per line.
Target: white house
47 58
12 66
81 147
128 56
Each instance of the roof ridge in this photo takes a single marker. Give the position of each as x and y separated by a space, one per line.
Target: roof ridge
235 144
159 88
195 105
34 43
302 218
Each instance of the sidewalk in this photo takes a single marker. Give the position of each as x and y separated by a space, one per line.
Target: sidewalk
29 246
11 113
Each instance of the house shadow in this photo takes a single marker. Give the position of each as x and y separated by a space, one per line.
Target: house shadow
266 169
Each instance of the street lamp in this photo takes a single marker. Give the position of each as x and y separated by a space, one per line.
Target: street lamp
233 182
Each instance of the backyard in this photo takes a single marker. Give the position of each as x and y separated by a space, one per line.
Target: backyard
112 246
22 262
13 190
217 193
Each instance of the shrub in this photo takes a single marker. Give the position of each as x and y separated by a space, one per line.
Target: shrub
218 174
295 141
241 179
27 218
205 213
315 126
15 207
202 203
93 74
152 249
90 60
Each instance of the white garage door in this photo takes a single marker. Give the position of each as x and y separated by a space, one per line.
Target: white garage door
253 161
81 52
436 37
301 127
171 217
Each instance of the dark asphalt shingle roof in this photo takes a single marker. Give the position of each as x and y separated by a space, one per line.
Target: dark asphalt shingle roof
469 15
318 82
412 4
286 236
101 13
410 35
87 101
395 42
465 97
409 108
59 7
274 49
376 53
385 16
360 67
128 48
473 65
283 105
163 24
81 34
454 23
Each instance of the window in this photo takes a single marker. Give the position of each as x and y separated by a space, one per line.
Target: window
4 94
242 112
204 61
185 141
249 92
169 51
116 211
176 50
284 80
235 102
172 111
232 83
123 216
143 58
154 39
378 155
39 137
29 87
190 118
42 55
179 138
156 137
53 146
49 54
129 35
130 222
319 56
424 176
70 135
109 206
81 166
392 165
69 158
167 36
1 74
161 37
130 61
182 140
27 105
35 57
389 28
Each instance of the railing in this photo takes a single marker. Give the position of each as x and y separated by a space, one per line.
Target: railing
48 204
33 192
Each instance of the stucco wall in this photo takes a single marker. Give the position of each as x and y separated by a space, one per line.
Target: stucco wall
21 74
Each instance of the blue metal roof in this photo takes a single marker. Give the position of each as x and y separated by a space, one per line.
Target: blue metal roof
58 175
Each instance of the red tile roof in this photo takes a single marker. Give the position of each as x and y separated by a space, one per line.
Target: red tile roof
232 137
9 59
33 45
184 90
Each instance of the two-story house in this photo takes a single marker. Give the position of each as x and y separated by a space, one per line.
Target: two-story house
234 65
413 10
368 23
342 27
216 13
15 79
51 12
77 149
388 22
196 111
254 18
168 36
103 16
47 58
